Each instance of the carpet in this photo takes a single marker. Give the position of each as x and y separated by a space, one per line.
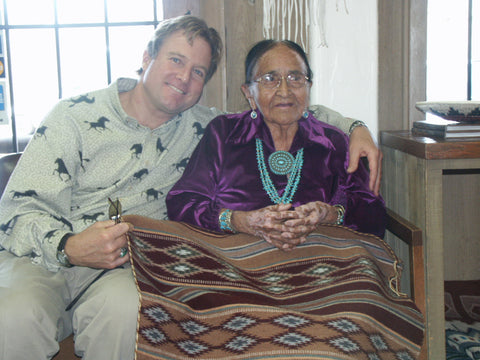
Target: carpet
462 315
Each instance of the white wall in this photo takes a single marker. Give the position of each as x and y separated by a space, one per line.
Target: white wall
346 71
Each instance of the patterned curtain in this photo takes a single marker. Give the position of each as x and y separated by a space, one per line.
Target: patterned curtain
292 19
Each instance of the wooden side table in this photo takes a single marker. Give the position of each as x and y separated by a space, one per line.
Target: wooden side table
436 185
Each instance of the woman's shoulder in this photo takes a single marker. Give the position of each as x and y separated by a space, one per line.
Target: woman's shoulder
229 121
233 127
230 117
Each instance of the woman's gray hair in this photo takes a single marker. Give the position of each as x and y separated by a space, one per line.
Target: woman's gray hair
192 27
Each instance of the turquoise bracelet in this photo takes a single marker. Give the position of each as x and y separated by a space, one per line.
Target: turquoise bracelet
340 214
225 221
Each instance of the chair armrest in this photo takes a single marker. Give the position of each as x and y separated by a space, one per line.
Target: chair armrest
7 164
412 236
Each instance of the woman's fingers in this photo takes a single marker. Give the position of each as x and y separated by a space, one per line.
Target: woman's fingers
282 227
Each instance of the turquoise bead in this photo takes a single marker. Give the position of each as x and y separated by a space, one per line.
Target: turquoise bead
268 185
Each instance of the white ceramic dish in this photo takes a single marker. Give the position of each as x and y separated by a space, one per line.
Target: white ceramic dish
452 110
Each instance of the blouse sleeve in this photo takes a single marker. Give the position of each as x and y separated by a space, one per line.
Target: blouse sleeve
193 198
365 211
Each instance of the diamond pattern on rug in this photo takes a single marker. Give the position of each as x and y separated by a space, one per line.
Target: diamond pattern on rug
210 296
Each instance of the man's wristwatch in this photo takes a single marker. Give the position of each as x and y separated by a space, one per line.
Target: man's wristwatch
356 124
61 256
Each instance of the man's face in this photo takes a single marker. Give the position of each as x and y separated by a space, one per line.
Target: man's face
174 80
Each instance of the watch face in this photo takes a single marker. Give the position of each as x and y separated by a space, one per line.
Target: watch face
62 258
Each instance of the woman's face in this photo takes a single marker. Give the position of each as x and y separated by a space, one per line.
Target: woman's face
285 104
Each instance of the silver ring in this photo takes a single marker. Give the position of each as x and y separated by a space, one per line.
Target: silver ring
123 251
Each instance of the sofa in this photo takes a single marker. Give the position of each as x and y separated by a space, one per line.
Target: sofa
396 225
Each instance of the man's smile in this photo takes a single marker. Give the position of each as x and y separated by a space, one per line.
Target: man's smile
174 88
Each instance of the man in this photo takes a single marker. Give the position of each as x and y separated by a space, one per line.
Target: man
131 142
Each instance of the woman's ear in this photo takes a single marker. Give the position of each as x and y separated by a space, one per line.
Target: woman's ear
249 96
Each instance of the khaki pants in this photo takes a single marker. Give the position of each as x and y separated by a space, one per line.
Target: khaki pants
33 318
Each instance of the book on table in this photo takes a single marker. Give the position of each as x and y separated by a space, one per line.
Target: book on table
446 128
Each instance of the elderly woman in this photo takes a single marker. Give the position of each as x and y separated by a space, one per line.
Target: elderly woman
275 171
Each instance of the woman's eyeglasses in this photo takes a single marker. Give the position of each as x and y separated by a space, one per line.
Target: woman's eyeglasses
273 80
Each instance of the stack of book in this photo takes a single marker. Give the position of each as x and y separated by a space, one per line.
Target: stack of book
446 129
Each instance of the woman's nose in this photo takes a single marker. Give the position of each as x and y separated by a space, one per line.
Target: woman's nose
283 86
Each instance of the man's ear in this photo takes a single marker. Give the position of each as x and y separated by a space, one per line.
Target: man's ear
145 60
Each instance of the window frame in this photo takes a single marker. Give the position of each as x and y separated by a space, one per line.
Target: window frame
6 27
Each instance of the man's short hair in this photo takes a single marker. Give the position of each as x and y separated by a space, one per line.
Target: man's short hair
192 27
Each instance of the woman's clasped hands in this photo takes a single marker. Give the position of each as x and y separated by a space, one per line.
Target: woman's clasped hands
282 226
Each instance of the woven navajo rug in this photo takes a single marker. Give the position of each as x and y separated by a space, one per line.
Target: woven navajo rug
214 296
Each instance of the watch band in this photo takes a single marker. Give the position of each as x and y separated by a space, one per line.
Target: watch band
356 124
61 256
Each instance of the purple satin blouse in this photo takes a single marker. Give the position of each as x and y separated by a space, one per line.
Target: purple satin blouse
223 173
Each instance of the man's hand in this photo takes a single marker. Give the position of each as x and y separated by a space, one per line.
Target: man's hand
99 246
362 144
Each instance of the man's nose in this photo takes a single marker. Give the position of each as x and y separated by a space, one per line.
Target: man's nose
184 74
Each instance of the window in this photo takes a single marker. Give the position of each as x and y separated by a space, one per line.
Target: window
453 53
53 49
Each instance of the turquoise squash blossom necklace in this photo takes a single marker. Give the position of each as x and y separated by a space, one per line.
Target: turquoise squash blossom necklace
281 163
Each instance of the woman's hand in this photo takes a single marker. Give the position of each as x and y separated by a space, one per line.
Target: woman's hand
282 227
310 215
269 224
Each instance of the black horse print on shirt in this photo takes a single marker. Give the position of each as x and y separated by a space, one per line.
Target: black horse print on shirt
82 99
136 150
180 166
139 175
63 221
7 227
160 148
98 125
61 170
50 235
82 160
27 193
41 132
152 193
92 218
199 130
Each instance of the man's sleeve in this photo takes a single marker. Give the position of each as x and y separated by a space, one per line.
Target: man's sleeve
35 207
332 117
